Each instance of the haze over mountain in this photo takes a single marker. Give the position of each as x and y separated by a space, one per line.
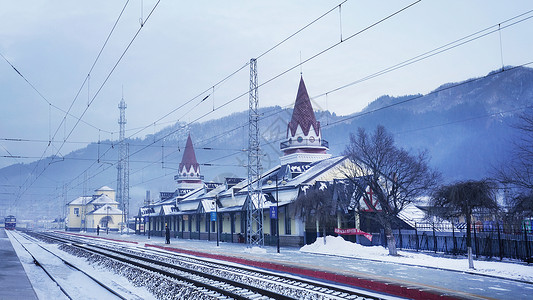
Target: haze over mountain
465 127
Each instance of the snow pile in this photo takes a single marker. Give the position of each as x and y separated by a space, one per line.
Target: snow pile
336 245
339 246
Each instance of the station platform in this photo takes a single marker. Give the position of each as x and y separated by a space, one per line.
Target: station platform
377 277
14 282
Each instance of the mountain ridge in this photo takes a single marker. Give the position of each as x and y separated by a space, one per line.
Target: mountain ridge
465 126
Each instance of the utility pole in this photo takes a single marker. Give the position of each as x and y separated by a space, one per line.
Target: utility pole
255 204
123 166
64 209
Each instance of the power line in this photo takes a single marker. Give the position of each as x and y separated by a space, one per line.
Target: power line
97 92
214 109
45 99
239 127
220 82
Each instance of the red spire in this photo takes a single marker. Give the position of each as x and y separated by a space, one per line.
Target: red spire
189 158
303 113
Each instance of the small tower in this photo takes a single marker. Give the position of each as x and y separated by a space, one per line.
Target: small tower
189 169
304 142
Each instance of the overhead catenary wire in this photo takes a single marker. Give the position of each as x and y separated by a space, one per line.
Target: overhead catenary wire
220 82
52 105
193 121
227 77
67 113
96 93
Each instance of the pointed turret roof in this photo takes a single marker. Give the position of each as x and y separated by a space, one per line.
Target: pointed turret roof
189 158
303 113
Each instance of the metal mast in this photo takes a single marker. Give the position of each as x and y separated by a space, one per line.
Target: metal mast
122 166
254 220
126 194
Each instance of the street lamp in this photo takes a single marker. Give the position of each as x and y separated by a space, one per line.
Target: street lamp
216 214
107 220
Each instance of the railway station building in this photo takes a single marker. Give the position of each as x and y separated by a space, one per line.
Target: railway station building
85 213
192 209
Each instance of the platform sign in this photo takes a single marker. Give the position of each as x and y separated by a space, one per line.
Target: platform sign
213 216
273 212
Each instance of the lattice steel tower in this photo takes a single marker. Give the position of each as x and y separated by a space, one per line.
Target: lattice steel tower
254 220
123 189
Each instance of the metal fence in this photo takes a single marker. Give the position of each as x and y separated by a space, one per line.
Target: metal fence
499 241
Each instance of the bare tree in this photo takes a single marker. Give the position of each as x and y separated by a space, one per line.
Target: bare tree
396 177
521 206
315 205
463 199
517 170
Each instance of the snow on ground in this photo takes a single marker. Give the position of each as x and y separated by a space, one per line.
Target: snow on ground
340 247
46 289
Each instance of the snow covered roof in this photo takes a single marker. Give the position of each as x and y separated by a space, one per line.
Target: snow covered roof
103 199
104 188
207 205
266 201
82 200
166 210
147 211
106 210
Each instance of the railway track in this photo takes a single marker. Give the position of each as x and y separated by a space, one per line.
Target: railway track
59 270
209 278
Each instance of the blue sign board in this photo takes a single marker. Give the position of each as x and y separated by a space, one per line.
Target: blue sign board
273 212
213 216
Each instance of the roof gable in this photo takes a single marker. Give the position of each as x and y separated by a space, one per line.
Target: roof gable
103 199
82 200
104 188
106 210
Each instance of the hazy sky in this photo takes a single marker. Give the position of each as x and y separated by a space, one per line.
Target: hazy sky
186 47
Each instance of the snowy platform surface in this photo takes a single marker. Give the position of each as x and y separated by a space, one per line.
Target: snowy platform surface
449 276
14 282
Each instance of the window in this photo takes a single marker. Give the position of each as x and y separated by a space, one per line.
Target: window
77 211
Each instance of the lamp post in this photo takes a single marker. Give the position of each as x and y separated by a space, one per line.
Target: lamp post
149 227
277 213
107 220
216 214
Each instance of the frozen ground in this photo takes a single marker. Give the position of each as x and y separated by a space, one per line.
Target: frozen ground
338 246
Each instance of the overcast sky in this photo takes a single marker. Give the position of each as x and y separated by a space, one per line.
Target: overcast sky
186 47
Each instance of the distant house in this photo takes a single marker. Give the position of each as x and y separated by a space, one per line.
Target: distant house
85 213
